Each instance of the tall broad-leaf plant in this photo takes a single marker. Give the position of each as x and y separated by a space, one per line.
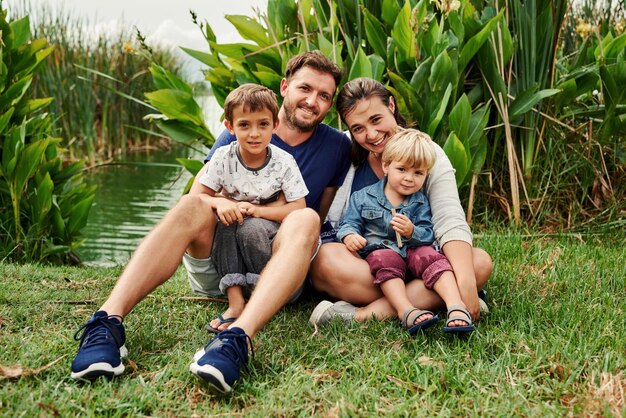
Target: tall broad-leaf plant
44 202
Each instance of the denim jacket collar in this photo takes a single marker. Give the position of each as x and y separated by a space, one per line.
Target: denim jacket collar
378 192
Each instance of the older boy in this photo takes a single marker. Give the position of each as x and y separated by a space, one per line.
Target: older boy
249 173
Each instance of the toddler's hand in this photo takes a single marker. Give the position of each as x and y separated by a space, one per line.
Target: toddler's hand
354 242
400 223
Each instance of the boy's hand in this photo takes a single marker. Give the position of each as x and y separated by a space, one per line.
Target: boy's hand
248 209
354 242
228 212
400 223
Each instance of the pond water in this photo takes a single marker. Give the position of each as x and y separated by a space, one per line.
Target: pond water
135 193
132 196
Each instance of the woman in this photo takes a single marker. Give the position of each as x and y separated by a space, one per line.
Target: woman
370 112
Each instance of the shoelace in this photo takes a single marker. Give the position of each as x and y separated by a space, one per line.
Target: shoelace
92 333
239 349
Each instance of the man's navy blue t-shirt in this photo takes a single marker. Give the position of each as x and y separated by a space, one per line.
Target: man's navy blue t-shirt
323 159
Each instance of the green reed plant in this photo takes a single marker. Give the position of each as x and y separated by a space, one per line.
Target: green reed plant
98 122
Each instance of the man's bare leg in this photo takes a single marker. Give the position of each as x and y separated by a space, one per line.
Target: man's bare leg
219 363
284 274
187 226
102 342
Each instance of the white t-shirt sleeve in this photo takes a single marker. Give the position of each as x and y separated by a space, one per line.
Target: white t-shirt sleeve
214 173
293 185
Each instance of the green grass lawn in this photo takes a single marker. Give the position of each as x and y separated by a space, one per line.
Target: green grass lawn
553 345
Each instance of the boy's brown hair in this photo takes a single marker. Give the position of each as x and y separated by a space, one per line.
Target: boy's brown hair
253 98
410 147
315 60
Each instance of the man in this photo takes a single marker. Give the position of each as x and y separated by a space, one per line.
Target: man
322 154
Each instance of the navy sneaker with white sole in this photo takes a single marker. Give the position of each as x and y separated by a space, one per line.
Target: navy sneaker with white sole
219 363
101 347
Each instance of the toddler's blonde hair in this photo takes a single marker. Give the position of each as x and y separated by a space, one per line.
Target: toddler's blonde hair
410 147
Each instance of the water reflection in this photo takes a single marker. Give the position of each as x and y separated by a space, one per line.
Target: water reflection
131 198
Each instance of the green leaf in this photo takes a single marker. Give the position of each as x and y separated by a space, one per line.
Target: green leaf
376 36
612 92
409 95
458 156
28 162
5 118
478 123
237 50
175 104
21 31
164 79
615 47
378 66
249 29
361 67
421 74
33 105
525 101
191 165
441 73
43 198
79 214
403 36
459 118
185 133
456 24
390 10
268 79
434 123
476 42
13 94
208 59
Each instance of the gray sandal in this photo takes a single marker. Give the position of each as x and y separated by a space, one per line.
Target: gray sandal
459 330
413 314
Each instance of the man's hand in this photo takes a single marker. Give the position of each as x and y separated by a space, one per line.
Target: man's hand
228 212
400 223
354 242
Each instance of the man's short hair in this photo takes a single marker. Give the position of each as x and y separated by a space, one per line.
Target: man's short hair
253 97
315 60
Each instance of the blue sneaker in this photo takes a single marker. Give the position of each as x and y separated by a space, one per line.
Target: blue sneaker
101 347
219 362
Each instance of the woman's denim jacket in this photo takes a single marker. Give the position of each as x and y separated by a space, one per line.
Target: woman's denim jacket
369 215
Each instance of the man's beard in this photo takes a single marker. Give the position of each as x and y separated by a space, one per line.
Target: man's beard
294 122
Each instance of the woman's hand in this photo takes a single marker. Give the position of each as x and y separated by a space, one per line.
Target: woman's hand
354 242
403 225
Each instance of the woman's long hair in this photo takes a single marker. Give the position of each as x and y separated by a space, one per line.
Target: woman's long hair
362 89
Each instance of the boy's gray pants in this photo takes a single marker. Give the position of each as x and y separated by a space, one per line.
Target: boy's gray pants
240 252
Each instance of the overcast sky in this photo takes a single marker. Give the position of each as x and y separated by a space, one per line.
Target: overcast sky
166 20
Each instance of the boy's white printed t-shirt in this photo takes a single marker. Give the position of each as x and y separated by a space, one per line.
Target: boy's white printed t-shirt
228 175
